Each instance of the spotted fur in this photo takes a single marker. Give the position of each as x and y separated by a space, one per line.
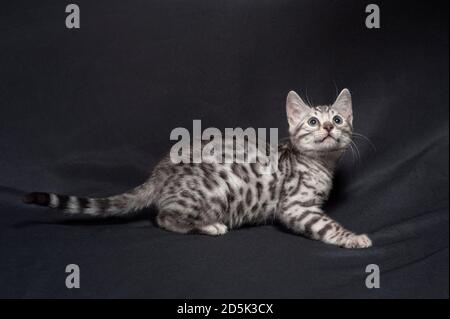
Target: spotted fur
212 198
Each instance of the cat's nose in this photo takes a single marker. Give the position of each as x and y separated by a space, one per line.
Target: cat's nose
328 126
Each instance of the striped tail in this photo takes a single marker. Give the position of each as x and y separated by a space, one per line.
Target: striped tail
117 205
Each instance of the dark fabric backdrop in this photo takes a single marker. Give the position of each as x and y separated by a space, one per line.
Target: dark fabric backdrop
89 112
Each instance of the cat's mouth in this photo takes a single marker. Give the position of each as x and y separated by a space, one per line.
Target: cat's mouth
327 138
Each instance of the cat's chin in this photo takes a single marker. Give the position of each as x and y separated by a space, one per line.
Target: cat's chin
326 146
327 143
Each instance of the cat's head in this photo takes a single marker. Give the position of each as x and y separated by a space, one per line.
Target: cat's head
321 128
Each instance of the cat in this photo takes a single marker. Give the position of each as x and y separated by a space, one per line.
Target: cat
212 198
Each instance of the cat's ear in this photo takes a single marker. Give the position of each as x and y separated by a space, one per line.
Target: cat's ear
296 109
343 105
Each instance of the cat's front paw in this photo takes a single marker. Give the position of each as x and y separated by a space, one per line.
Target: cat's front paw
357 241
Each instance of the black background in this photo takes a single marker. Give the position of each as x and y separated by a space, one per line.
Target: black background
89 112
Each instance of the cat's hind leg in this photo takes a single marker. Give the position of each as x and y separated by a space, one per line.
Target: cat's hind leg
172 221
189 223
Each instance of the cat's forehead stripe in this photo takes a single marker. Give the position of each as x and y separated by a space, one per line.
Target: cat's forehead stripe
322 109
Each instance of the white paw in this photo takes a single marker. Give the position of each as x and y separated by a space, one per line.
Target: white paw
215 229
358 241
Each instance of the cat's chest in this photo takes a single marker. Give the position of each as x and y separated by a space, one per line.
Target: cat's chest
312 181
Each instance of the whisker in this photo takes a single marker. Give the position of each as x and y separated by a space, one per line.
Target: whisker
356 149
366 139
352 152
355 152
307 98
336 89
359 152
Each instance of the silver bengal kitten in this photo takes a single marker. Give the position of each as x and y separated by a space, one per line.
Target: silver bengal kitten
211 198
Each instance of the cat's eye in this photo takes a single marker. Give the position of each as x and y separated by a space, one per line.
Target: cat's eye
338 120
313 121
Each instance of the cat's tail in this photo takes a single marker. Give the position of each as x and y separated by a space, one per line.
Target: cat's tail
117 205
